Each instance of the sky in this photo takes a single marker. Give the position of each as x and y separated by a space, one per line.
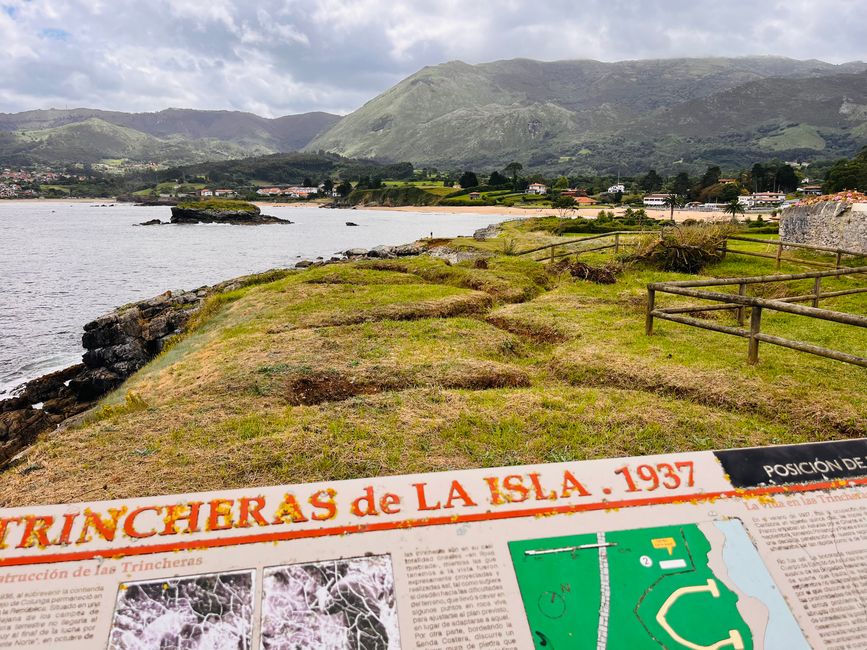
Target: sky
277 57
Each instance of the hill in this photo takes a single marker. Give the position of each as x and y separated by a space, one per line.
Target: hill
169 137
590 115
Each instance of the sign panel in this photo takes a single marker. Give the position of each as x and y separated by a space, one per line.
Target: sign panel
696 550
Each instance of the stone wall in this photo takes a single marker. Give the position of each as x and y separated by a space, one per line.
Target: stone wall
837 225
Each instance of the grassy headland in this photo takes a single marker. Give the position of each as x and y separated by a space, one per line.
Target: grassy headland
409 365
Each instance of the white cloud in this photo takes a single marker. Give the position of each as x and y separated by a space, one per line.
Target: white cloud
281 56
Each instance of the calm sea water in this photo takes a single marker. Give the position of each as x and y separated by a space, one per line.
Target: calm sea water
62 265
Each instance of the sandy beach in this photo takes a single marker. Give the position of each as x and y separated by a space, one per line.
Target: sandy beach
679 215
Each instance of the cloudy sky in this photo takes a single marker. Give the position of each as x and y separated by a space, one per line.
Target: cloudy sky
275 57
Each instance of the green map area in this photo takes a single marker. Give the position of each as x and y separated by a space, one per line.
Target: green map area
646 588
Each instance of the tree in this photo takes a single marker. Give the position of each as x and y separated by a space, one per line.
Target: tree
468 179
307 182
651 181
759 178
682 184
497 179
565 206
327 186
787 179
848 174
344 189
512 169
561 183
734 208
673 201
711 177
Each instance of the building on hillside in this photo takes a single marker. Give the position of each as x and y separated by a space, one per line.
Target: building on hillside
764 199
475 195
619 187
269 191
584 200
537 188
206 193
655 200
810 190
726 181
224 192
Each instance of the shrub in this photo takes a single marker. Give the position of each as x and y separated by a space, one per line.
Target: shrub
684 249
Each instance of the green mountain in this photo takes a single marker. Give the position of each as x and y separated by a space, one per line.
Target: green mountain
593 116
173 136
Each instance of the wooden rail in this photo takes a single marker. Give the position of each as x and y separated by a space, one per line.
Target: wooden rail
740 302
555 250
778 256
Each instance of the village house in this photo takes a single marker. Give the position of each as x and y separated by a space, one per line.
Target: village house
475 195
206 193
269 191
810 190
224 192
584 200
537 188
619 187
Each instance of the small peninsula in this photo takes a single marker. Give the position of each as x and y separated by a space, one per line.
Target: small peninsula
222 211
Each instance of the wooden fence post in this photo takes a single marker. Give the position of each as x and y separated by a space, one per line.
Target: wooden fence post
755 327
817 290
616 243
779 254
651 305
742 291
551 259
839 259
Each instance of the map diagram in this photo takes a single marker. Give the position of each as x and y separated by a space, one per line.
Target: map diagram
669 587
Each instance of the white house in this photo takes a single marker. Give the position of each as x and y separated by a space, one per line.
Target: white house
655 200
763 199
537 188
204 193
224 192
614 189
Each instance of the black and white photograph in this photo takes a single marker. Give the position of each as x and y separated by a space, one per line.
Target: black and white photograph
344 604
211 611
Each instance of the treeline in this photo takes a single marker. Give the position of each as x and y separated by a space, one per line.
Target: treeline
848 174
287 168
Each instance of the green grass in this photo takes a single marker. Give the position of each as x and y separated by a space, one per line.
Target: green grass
410 365
219 204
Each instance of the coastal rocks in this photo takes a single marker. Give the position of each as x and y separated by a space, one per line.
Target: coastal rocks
356 252
489 232
303 264
116 345
352 224
18 429
152 222
247 215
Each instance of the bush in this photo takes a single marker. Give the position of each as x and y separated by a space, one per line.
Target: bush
684 249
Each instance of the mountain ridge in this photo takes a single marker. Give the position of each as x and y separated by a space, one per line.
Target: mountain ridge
592 112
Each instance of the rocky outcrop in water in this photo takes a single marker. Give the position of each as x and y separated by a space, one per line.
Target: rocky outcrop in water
249 215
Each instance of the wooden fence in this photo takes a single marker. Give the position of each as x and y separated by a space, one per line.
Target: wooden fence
740 302
564 248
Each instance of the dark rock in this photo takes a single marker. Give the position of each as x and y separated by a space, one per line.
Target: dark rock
19 429
240 217
406 250
303 264
152 222
350 223
356 252
94 383
381 251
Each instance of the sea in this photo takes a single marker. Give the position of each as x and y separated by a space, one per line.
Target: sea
64 264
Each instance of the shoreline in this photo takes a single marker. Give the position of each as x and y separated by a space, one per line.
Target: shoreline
679 215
